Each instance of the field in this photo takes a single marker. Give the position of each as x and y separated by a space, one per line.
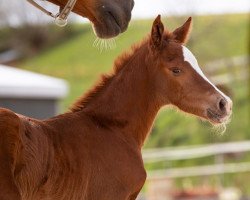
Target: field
213 37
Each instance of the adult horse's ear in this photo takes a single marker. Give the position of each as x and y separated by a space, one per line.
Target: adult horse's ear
157 33
181 34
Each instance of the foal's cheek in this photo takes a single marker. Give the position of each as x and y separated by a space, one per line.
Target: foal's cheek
166 79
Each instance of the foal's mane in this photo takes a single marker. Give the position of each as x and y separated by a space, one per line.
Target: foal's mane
106 79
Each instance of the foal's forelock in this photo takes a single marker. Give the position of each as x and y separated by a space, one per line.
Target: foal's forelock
190 58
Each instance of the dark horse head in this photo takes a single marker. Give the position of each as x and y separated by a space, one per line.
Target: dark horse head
109 17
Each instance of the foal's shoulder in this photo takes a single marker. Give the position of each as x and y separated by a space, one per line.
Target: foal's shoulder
9 133
8 118
9 125
9 143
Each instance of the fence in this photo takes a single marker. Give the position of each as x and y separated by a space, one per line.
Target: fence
184 153
225 71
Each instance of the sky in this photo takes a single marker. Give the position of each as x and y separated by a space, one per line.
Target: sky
151 8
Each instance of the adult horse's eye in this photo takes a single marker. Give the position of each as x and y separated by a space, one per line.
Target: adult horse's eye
176 71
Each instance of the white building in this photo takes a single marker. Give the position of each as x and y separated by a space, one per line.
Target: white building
29 93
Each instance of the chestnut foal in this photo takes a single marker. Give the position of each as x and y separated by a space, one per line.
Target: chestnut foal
93 152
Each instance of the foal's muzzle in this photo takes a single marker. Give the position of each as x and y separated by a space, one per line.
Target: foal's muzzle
221 112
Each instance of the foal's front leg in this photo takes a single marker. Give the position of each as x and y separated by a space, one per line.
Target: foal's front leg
8 188
134 195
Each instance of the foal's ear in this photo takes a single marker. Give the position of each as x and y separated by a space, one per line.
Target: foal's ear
181 34
157 33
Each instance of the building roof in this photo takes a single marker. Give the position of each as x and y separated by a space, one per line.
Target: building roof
19 83
9 56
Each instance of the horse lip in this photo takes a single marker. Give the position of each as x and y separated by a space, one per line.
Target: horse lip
215 117
106 32
108 27
116 21
108 22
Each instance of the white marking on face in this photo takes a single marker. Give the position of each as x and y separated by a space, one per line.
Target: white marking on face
189 57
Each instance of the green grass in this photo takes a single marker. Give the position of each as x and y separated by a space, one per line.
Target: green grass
79 62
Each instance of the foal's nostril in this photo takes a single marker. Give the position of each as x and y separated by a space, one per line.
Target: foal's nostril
222 104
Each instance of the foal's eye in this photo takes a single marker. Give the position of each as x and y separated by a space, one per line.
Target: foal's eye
176 71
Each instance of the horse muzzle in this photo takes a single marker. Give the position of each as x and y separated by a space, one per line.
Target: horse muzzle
112 21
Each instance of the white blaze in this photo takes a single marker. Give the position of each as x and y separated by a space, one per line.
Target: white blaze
189 57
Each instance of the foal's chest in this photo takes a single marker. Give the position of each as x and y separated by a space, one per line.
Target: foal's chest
117 168
126 168
119 180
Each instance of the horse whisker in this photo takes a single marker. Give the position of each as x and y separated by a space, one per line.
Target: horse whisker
104 44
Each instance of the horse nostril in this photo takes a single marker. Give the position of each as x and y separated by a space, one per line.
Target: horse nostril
222 104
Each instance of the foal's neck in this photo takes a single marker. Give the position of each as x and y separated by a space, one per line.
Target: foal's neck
128 102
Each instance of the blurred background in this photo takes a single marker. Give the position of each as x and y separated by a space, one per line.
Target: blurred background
44 68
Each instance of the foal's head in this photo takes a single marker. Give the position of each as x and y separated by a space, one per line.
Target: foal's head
179 79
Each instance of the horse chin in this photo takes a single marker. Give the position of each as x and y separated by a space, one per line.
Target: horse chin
109 25
106 32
